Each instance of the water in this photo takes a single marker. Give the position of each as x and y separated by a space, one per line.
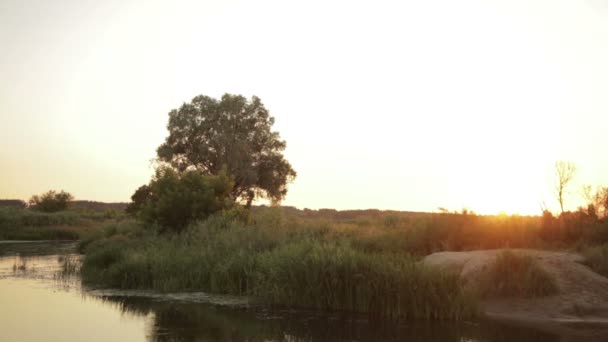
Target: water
39 303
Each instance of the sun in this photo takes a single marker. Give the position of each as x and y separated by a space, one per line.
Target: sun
496 190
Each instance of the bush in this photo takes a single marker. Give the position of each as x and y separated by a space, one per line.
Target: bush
51 201
174 200
514 275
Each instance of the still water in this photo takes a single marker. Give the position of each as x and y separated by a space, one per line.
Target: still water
39 303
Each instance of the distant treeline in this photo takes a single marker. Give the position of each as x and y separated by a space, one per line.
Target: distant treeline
359 216
76 205
98 206
12 203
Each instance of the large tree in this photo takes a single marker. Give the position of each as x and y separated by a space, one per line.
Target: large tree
208 134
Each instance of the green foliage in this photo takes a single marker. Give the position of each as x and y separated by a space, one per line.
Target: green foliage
138 200
174 199
333 276
233 132
51 201
517 275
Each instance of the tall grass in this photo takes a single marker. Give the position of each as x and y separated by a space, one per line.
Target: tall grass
359 261
24 224
516 275
333 276
298 266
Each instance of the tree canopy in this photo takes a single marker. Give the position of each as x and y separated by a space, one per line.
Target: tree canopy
173 200
51 201
209 134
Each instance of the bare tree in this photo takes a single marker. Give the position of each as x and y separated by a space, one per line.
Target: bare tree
564 172
597 199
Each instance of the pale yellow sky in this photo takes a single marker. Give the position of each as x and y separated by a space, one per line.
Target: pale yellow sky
407 105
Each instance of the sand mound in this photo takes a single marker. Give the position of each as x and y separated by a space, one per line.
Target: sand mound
582 297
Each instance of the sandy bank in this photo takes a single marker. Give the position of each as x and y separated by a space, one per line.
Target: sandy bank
580 307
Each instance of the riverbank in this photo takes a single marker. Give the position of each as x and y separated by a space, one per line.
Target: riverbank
134 315
581 299
294 266
189 304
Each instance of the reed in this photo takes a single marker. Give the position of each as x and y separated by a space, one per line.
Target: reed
517 275
24 224
299 266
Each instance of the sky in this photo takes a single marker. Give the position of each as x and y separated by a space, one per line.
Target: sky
403 105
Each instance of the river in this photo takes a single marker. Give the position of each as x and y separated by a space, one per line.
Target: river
39 302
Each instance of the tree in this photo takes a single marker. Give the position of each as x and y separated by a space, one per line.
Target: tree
207 135
173 200
564 172
51 201
597 200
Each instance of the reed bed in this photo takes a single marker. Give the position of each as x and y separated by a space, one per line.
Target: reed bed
301 266
25 224
352 261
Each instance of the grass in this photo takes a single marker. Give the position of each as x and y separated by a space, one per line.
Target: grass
279 264
334 276
516 275
354 261
24 224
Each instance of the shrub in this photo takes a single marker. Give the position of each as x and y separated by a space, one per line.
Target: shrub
514 275
138 200
174 200
51 201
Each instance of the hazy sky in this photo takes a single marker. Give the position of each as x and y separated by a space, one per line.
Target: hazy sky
408 105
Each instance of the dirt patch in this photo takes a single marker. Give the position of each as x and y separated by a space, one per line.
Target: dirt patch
581 305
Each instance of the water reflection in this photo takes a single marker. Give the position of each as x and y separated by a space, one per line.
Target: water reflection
199 322
30 248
